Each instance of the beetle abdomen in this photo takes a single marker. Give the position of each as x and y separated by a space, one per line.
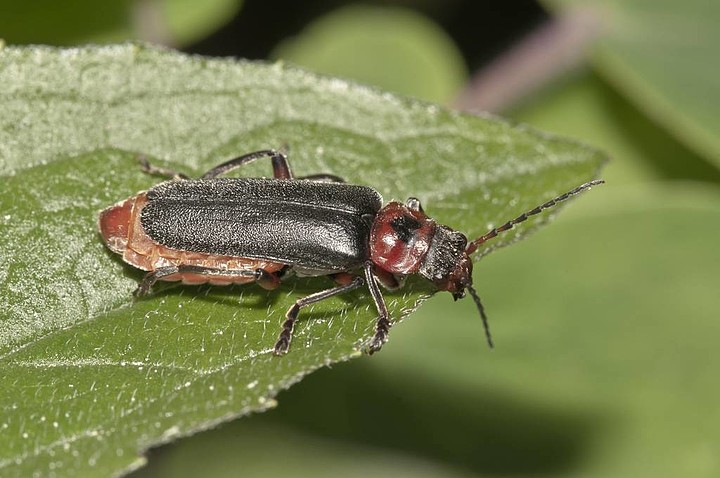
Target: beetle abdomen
311 225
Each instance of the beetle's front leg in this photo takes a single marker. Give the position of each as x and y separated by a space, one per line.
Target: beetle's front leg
382 327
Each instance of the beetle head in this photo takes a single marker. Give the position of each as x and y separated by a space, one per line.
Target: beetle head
449 266
446 264
404 240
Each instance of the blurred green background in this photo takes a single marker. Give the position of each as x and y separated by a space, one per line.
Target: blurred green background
606 322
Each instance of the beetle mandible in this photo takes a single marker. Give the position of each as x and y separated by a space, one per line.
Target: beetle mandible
240 230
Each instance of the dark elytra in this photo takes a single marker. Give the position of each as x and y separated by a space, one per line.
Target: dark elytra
307 224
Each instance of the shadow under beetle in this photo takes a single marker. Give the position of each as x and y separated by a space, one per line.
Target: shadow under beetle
239 230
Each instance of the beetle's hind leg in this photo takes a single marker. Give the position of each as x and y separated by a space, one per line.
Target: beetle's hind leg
265 279
151 278
283 342
156 170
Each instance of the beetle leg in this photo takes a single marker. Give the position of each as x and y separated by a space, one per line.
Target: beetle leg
283 343
152 277
280 165
383 322
150 169
264 279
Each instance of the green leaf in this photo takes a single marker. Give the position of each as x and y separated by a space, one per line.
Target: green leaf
588 109
92 378
392 48
662 56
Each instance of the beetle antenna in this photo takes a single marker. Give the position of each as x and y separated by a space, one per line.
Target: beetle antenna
472 247
484 318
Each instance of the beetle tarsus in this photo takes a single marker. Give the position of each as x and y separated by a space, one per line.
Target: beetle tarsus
142 290
283 343
148 168
382 329
383 323
151 278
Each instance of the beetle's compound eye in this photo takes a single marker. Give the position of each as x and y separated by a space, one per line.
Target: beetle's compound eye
114 225
400 238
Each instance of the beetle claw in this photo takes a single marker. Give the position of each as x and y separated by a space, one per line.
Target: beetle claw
141 291
376 343
281 347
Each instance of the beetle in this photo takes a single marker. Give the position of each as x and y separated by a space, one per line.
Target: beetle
240 230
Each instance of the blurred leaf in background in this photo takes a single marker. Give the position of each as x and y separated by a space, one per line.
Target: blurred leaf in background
395 49
662 55
72 22
586 106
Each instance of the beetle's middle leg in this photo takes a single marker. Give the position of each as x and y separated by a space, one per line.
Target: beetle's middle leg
283 342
